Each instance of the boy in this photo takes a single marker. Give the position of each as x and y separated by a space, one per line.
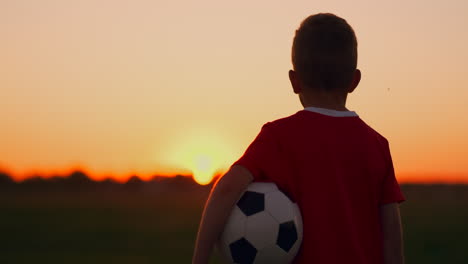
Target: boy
337 168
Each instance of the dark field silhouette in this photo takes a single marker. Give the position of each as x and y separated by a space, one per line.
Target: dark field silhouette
76 220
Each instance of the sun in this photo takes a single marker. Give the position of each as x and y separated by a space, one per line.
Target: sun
203 150
203 169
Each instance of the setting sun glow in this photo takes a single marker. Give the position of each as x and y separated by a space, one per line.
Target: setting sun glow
203 169
203 151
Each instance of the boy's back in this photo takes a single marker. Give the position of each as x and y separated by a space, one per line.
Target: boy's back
339 171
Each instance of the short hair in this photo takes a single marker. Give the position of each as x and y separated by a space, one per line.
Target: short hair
324 52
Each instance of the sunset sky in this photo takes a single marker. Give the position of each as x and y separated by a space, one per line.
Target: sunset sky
119 87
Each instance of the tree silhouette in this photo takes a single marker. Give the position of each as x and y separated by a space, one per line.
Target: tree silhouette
134 183
5 180
77 181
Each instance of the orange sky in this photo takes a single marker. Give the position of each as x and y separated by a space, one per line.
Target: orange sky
145 87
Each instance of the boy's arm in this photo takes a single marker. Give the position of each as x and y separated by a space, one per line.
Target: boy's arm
392 233
218 207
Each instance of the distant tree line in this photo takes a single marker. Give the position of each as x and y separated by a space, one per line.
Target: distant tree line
79 181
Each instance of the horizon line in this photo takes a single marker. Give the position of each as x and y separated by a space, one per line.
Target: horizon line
403 178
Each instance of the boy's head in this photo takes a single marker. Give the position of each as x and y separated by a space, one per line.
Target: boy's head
324 54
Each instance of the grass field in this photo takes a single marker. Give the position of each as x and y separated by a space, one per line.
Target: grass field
141 227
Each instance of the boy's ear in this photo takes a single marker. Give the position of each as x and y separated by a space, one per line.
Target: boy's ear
356 80
295 82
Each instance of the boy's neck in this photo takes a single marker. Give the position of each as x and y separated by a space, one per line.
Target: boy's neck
329 100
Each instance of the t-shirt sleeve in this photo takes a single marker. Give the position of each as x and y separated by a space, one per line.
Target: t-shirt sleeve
262 157
390 192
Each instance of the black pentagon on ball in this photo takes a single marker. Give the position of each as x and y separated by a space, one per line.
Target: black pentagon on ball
287 235
251 203
242 251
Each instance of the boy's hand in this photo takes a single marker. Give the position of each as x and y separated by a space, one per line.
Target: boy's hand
392 234
218 207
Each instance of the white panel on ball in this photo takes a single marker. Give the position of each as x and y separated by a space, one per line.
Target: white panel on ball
261 230
235 226
262 187
279 206
225 251
298 221
272 255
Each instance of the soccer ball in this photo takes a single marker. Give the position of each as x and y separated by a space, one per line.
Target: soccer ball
265 226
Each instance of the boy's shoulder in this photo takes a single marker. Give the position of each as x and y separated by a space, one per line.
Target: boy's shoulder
303 116
285 121
281 124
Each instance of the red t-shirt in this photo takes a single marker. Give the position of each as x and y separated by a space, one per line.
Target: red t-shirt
339 170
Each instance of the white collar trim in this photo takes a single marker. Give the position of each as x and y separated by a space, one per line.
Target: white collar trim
331 112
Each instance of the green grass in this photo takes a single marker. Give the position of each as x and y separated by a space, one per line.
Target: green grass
129 227
435 222
126 228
